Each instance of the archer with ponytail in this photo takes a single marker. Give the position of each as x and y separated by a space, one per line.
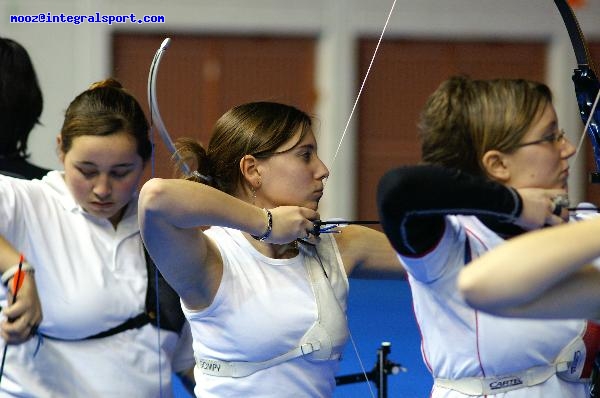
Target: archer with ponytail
264 296
79 232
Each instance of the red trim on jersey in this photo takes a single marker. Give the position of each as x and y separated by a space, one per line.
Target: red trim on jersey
468 233
591 340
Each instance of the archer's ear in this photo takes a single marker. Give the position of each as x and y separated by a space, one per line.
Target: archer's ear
249 169
495 165
59 152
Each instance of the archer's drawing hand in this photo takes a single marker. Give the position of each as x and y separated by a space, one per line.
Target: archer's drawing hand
24 316
291 223
542 207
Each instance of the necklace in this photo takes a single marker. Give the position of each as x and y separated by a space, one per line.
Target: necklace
281 250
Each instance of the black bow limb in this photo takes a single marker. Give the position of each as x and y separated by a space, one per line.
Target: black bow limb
585 81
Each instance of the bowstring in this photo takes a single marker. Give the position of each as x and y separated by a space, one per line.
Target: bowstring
151 103
585 128
360 91
364 81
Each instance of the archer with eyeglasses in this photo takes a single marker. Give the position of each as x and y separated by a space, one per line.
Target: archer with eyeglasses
495 166
556 138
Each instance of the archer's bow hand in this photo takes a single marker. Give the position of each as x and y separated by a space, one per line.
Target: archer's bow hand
21 318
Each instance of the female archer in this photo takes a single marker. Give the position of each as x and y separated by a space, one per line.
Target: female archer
264 296
79 231
495 166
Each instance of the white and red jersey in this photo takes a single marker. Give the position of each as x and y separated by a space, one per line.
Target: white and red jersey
459 342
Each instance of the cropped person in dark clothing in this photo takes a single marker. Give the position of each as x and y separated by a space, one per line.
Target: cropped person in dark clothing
20 109
495 164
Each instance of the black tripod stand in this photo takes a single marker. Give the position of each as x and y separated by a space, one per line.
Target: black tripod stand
383 367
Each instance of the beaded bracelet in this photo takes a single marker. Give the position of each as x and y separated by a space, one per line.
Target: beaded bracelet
269 227
9 273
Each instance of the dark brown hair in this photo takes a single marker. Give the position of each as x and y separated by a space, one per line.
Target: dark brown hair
256 128
104 109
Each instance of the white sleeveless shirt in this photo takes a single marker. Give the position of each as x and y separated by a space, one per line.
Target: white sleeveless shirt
263 309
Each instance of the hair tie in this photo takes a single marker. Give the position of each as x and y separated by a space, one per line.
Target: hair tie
197 174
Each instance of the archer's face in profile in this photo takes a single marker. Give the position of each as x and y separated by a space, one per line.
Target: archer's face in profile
293 176
542 159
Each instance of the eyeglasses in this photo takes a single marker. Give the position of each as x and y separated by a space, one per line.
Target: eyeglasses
556 138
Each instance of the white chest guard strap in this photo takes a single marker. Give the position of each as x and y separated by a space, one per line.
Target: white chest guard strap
477 386
572 364
215 367
324 340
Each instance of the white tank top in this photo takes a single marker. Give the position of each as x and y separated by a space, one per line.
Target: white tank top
289 313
